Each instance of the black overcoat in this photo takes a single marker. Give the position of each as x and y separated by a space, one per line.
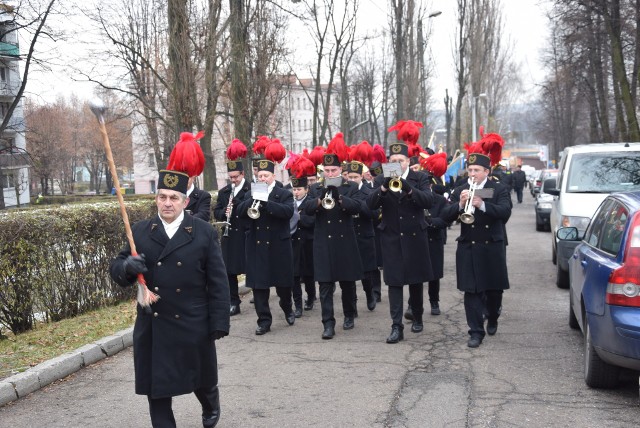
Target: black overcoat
199 204
335 248
437 233
302 241
173 352
233 246
481 256
269 256
365 235
403 231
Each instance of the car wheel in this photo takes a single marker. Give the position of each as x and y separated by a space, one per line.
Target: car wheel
573 320
562 277
597 373
554 257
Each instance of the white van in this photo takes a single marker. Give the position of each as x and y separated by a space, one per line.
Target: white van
586 175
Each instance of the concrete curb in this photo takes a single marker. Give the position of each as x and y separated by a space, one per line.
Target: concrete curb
23 384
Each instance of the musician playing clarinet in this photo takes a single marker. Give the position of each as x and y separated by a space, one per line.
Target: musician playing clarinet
233 235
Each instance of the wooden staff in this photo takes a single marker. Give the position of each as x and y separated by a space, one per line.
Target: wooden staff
145 297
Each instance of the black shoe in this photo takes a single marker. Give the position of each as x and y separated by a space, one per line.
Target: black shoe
211 421
348 324
297 312
328 332
371 302
474 342
396 335
291 318
492 327
435 308
408 314
355 313
308 304
417 326
234 310
260 330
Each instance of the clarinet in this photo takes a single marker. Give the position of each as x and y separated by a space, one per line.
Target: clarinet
229 208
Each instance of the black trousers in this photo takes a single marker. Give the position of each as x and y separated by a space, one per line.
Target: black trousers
396 301
367 285
519 194
309 287
162 414
476 305
261 303
326 301
376 283
434 290
233 289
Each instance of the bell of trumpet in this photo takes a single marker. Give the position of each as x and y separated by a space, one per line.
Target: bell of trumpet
467 216
328 203
254 210
395 185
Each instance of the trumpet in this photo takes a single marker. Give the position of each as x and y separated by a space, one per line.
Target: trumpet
328 202
253 211
395 185
467 216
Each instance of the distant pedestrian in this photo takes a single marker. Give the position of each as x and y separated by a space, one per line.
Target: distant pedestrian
519 178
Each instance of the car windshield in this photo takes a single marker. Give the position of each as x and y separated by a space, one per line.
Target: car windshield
604 172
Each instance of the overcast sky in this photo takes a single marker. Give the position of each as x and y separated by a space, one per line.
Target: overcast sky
524 19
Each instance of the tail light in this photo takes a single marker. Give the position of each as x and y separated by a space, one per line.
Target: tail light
623 288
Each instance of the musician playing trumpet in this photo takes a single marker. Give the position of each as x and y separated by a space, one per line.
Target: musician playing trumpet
225 210
481 260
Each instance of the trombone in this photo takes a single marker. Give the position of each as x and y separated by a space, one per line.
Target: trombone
253 211
467 216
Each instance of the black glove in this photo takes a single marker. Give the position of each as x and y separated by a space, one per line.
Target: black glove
386 182
406 187
439 189
438 223
219 334
133 265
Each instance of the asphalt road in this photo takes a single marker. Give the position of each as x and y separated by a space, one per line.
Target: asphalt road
528 375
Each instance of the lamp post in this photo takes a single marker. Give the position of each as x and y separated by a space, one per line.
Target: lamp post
473 114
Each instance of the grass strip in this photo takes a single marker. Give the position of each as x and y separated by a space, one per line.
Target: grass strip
49 340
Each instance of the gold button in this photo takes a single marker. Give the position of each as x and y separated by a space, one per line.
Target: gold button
473 242
486 242
328 221
267 242
155 289
329 236
159 263
257 227
339 221
155 314
258 242
400 217
177 317
401 234
486 226
179 263
342 236
267 227
178 290
472 226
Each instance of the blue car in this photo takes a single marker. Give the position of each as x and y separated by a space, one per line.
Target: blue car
604 276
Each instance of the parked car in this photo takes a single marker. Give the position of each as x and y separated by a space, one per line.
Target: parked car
535 183
604 295
544 202
586 175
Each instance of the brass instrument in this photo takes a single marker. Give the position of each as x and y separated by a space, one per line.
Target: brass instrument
467 216
229 208
328 203
253 211
395 185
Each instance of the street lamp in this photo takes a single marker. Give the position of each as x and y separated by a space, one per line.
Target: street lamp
473 113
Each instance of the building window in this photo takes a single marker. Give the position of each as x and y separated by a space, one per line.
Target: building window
7 181
7 143
152 160
293 125
298 103
4 75
299 125
4 109
304 103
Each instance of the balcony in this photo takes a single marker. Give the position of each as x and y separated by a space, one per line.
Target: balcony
8 89
9 50
12 159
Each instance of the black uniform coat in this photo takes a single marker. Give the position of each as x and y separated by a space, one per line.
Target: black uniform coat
335 248
403 237
481 256
173 352
233 246
365 234
268 241
437 233
199 204
302 241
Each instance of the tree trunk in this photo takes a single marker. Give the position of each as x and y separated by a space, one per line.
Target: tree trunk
237 70
398 9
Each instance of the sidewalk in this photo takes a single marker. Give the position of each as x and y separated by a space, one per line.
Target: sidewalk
23 384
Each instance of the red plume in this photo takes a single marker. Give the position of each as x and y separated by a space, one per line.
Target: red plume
408 130
363 152
435 164
303 167
473 147
261 144
305 153
187 156
236 150
275 151
414 150
492 146
293 158
378 154
317 155
481 131
338 147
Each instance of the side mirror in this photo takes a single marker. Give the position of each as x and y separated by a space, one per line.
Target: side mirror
567 234
549 186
